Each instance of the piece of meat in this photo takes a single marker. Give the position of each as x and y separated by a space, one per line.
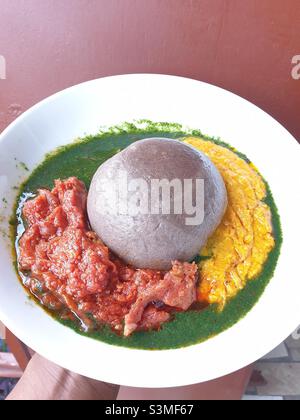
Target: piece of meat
115 303
73 197
37 210
82 262
152 319
45 212
54 224
57 248
180 287
177 289
28 244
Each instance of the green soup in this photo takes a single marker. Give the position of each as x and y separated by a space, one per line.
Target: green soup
81 159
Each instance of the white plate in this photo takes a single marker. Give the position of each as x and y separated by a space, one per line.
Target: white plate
81 110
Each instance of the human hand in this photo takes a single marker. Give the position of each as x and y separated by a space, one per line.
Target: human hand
44 380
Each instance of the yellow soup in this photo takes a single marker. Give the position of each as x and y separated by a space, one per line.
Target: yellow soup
240 246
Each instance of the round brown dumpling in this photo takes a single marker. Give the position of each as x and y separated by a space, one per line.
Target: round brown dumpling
149 227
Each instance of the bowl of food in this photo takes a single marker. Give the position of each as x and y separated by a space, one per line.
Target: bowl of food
149 220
